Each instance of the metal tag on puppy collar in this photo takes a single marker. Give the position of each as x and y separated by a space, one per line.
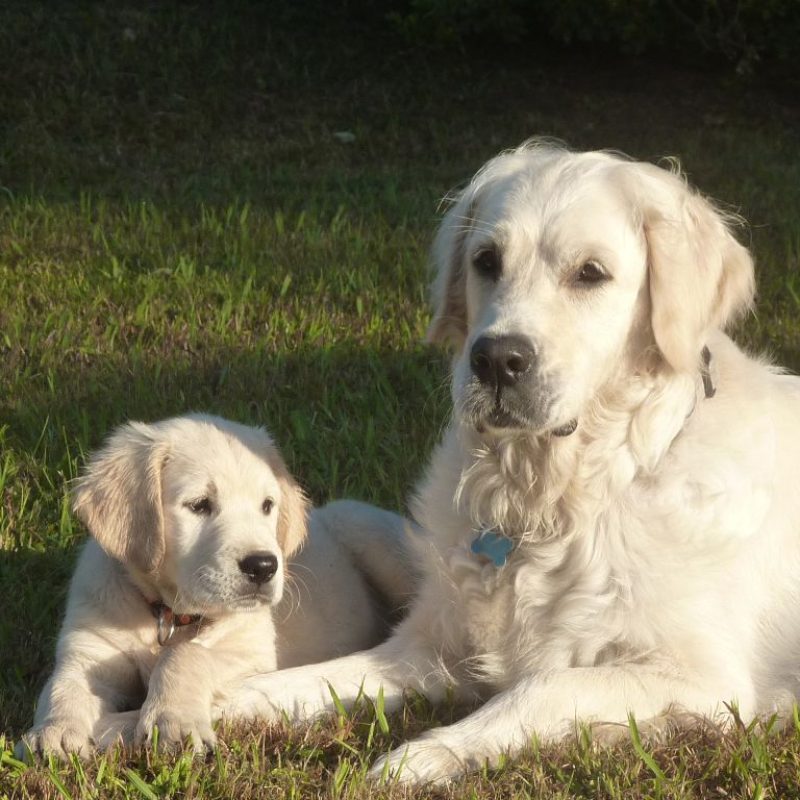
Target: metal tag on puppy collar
166 624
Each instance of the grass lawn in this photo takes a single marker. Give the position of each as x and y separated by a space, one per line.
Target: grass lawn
181 229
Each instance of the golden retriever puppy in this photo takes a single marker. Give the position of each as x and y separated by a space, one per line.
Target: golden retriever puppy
180 592
612 517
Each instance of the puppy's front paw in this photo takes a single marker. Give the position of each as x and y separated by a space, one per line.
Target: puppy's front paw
117 728
56 737
175 726
425 760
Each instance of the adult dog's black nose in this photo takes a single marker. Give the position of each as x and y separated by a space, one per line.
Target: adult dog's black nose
259 567
501 360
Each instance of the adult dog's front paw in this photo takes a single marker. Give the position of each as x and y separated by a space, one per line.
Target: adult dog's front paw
424 760
176 726
56 737
247 705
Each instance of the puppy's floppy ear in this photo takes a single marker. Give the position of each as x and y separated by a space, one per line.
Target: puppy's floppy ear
449 323
701 278
119 497
293 509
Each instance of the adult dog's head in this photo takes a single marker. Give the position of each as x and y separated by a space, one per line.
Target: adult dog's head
560 273
201 509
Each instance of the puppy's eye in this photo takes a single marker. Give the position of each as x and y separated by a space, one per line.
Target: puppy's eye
487 263
201 506
591 273
267 505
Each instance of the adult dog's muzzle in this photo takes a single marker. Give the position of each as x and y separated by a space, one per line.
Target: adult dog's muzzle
507 391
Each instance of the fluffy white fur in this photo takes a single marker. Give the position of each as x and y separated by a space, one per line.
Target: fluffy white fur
658 546
174 507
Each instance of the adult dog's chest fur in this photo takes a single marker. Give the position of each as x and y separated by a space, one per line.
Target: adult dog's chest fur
615 569
552 605
559 599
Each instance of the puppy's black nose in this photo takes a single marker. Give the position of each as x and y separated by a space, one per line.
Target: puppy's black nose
259 567
502 360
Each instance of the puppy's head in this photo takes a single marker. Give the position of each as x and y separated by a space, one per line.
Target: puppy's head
203 508
560 273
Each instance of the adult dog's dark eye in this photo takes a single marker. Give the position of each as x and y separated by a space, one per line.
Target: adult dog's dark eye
267 505
488 263
592 273
201 506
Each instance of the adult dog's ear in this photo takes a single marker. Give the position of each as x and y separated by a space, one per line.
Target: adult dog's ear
293 508
119 496
449 323
701 278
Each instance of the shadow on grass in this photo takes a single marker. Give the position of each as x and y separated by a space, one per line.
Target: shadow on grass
349 419
33 586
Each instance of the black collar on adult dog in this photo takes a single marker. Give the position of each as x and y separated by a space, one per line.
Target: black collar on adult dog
705 373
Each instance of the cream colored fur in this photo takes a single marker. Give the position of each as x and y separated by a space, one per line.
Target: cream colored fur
657 548
153 542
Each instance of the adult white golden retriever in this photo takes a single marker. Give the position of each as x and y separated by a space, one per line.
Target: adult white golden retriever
182 589
613 518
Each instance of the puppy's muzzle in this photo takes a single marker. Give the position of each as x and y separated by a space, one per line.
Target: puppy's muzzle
259 567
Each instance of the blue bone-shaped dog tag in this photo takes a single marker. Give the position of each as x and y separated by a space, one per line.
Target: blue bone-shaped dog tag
495 546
